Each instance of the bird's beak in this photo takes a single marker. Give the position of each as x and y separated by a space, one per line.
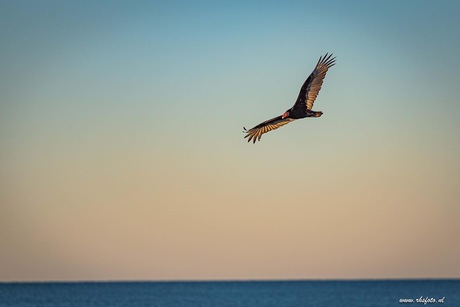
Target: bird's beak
286 114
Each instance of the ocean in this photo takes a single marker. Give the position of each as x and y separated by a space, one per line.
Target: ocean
234 293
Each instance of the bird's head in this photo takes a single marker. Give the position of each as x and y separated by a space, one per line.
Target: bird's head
286 114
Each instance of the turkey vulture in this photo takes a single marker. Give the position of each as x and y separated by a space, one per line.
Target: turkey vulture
303 104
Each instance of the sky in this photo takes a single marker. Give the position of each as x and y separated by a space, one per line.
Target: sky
122 155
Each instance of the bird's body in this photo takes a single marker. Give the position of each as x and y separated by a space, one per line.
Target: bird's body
302 107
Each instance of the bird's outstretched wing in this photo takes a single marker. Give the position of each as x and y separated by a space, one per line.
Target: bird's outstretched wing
312 85
256 132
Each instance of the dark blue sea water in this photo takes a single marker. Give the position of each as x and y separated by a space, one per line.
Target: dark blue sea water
234 293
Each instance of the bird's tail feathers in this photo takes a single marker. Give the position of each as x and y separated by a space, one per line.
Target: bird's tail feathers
318 114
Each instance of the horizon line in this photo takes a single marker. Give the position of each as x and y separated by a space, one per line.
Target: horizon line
228 280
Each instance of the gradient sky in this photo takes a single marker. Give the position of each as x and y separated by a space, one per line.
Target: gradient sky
122 156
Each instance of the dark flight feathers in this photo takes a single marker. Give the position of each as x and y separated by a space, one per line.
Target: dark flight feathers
256 132
311 87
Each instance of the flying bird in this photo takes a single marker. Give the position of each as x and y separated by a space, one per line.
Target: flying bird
303 105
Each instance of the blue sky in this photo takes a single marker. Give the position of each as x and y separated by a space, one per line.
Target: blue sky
121 123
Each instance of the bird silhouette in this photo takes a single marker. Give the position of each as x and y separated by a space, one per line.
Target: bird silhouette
302 107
